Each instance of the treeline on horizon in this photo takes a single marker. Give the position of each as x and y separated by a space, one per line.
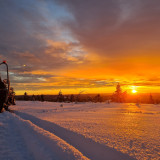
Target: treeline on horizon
118 97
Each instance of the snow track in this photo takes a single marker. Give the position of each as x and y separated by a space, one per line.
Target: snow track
12 144
21 139
46 130
42 136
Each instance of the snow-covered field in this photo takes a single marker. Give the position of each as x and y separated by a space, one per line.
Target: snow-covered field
100 131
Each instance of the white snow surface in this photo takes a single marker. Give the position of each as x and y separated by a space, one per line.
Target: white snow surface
100 131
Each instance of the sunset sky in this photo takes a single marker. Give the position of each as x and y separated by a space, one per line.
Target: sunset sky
81 45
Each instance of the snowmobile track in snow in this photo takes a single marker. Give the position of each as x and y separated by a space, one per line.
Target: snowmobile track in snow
23 140
86 146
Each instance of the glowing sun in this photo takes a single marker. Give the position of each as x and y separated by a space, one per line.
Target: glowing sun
134 91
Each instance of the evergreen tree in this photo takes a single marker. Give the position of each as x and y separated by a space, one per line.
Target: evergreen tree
119 96
25 96
97 98
72 98
60 97
33 97
42 97
151 100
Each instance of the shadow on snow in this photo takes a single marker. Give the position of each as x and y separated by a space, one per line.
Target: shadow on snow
86 146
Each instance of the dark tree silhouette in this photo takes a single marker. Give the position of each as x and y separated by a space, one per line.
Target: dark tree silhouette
60 97
72 98
25 96
151 100
97 98
42 97
33 97
119 96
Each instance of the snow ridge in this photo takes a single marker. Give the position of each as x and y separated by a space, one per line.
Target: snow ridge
87 146
21 139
